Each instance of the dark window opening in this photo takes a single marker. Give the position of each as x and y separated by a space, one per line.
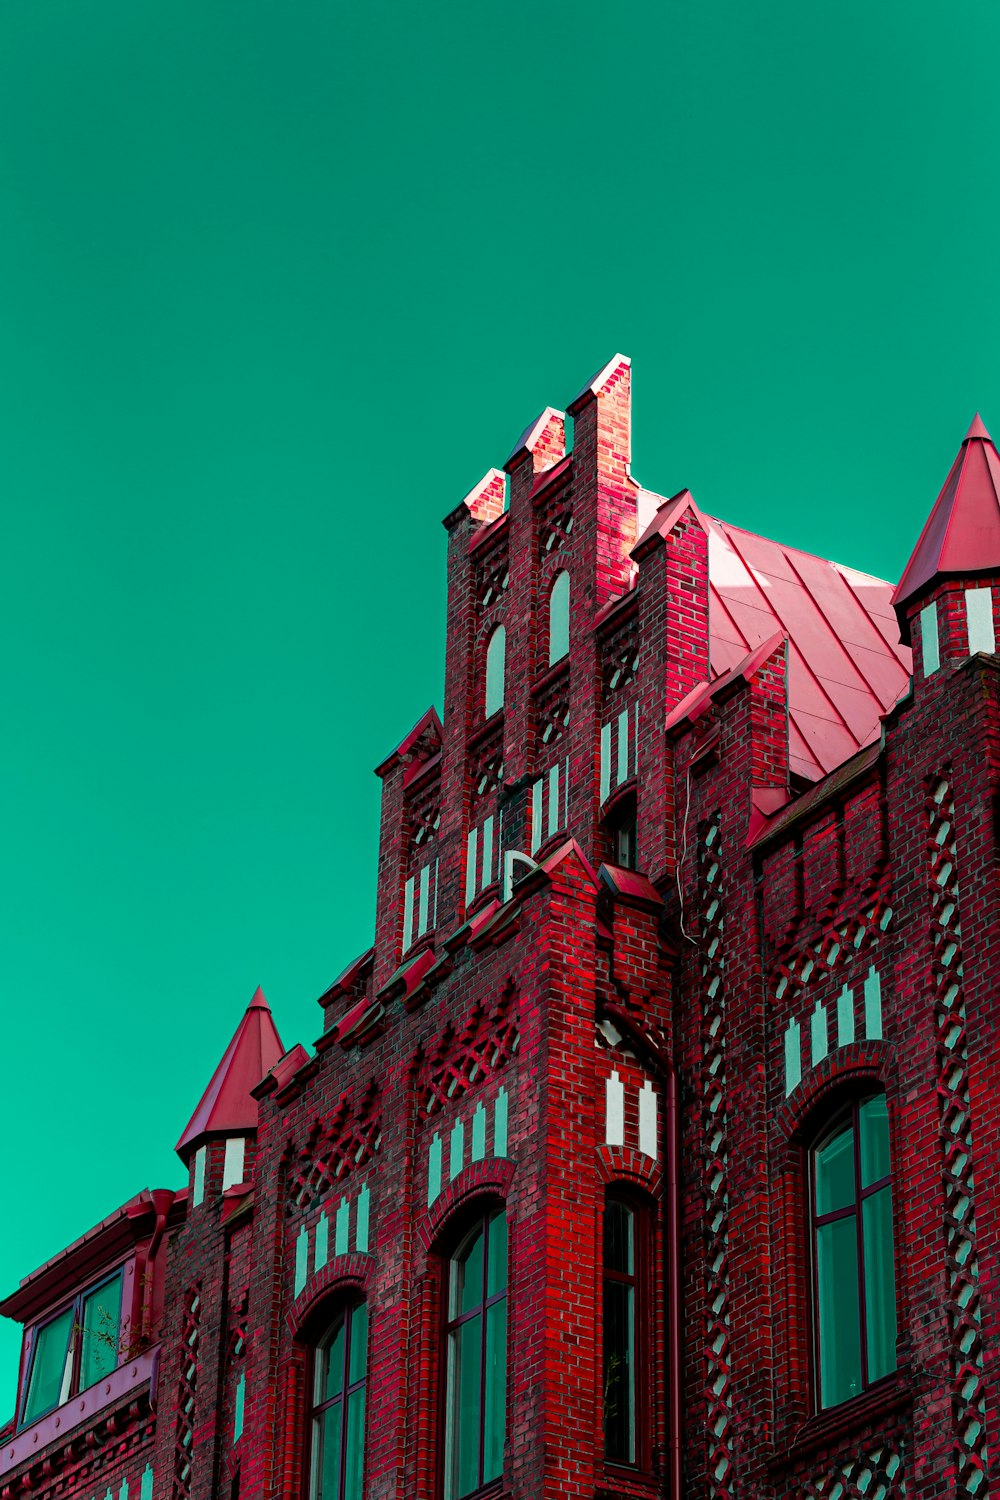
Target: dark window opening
624 1330
620 828
337 1414
475 1404
854 1285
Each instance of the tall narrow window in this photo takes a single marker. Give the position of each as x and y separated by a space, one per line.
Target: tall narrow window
337 1416
622 1256
476 1376
74 1350
854 1275
496 662
559 619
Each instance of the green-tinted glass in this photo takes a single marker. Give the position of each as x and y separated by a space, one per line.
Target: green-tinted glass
330 1366
48 1366
359 1344
326 1454
462 1431
880 1284
834 1163
874 1116
839 1313
101 1329
355 1457
496 1274
467 1275
496 1390
619 1248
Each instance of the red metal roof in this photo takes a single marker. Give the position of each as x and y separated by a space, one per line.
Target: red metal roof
227 1105
962 533
846 665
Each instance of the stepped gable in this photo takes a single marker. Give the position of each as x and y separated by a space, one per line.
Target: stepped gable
227 1105
961 536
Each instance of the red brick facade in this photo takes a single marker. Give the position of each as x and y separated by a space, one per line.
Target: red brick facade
812 919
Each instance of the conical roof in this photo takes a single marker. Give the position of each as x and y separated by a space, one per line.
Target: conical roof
962 533
227 1106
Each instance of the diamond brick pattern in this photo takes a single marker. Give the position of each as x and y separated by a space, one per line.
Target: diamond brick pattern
720 1477
484 1045
187 1395
875 1475
955 1133
350 1139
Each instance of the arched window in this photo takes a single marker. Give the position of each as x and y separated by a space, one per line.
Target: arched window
496 662
559 618
853 1266
475 1407
624 1321
337 1411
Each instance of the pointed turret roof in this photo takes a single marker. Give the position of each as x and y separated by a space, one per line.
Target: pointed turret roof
962 533
227 1106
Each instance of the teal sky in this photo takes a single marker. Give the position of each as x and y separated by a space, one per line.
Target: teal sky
277 284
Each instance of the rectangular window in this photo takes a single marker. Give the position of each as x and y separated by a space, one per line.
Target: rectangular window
929 639
74 1350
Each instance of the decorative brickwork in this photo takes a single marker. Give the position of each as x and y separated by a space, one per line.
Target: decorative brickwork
555 525
486 761
187 1394
349 1140
620 654
552 711
961 1252
485 1044
492 577
874 1475
423 807
715 1180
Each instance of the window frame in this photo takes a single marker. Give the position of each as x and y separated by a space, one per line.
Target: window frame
643 1306
493 669
344 1312
74 1347
481 1216
550 617
847 1111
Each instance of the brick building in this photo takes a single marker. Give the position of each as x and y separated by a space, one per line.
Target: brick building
652 1148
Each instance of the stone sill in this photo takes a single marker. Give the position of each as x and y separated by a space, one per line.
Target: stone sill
831 1427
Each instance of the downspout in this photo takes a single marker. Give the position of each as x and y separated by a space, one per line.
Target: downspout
163 1199
664 1068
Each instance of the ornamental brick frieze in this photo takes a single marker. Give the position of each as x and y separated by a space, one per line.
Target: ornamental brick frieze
718 1393
964 1300
832 950
620 653
874 1473
467 1055
348 1139
188 1358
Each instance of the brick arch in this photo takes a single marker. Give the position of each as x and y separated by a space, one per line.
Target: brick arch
490 1177
849 1066
344 1274
634 1168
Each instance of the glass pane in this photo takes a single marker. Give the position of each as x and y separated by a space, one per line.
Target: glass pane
834 1162
496 653
619 1251
496 1274
465 1352
326 1455
880 1284
839 1313
101 1327
48 1365
359 1344
559 618
874 1116
496 1390
467 1275
354 1467
619 1372
330 1365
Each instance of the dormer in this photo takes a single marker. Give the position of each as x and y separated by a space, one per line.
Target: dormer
217 1143
947 599
91 1319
